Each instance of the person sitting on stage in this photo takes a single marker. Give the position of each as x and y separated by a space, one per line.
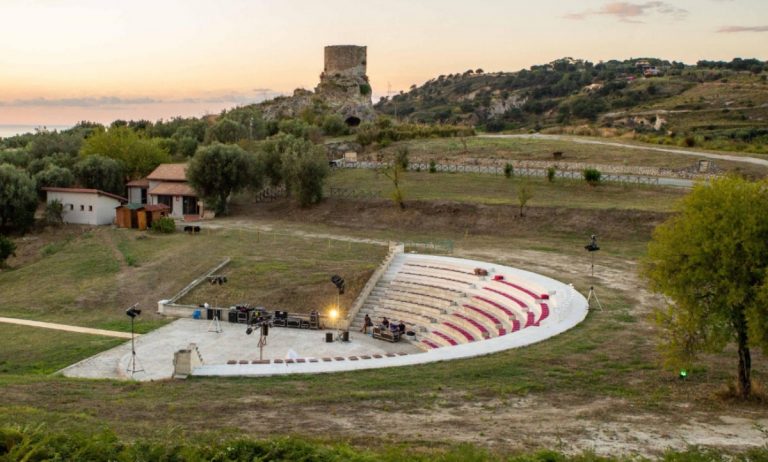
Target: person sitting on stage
401 327
366 324
385 322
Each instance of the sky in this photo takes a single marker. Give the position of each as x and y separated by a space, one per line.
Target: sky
62 61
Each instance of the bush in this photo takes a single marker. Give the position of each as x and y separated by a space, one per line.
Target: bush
551 174
7 249
509 170
164 225
53 213
592 176
432 166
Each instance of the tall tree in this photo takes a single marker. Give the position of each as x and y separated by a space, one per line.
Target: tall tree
53 176
138 156
218 170
711 261
99 172
297 163
18 199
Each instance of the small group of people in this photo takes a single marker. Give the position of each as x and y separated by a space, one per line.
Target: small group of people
384 324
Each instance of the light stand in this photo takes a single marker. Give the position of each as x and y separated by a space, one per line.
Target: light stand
338 281
133 364
263 332
592 248
215 324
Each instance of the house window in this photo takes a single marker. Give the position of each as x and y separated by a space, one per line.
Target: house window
190 206
166 200
82 208
71 206
90 208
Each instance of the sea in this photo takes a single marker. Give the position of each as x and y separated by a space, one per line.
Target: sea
12 130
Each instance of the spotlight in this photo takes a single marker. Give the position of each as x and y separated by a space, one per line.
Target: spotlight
249 330
592 246
338 281
132 312
333 314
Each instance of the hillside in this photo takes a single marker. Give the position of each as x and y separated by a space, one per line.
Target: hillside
721 105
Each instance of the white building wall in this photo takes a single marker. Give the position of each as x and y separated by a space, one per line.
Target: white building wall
85 208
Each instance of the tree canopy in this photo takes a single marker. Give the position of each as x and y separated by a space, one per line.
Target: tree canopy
138 156
99 172
18 199
711 262
297 163
218 170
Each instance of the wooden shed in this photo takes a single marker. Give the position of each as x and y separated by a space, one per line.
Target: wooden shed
126 215
139 216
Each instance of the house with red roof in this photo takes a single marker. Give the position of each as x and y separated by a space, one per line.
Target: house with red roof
168 185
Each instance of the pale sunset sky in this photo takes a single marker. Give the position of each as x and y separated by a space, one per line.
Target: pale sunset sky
62 61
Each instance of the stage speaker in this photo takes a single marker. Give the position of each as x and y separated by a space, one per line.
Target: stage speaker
329 337
345 336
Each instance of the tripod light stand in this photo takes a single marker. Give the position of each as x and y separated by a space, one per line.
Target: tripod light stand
133 364
592 248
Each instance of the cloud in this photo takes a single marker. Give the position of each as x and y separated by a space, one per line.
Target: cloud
630 12
113 101
734 29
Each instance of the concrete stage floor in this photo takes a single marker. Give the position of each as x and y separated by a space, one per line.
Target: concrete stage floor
154 351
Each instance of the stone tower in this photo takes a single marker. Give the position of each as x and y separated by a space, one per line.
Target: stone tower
343 89
344 85
345 60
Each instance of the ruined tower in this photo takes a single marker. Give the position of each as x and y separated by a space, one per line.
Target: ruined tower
344 85
345 60
343 89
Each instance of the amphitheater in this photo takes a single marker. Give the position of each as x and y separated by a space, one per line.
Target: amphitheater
453 308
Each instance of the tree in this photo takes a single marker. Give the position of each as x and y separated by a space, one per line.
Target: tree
394 174
592 176
711 261
227 130
99 172
524 194
18 199
53 176
7 249
218 170
138 156
304 167
401 157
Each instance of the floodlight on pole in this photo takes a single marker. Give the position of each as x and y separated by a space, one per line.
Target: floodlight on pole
133 364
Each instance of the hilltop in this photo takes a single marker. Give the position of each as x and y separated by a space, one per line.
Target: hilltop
715 104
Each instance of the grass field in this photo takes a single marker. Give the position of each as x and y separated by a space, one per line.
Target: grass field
496 189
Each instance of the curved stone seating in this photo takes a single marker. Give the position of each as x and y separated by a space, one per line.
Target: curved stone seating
446 303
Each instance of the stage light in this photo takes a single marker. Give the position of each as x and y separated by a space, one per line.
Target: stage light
133 311
249 330
592 246
334 313
338 281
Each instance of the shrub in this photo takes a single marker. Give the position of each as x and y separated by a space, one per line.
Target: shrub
689 141
7 249
551 174
164 225
432 166
53 213
592 176
509 170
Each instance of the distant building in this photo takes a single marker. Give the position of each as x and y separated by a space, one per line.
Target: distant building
85 206
651 71
138 191
168 185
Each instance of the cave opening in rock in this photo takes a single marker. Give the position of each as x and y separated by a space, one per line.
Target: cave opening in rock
352 121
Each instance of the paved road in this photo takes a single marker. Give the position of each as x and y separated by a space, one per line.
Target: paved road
582 140
67 328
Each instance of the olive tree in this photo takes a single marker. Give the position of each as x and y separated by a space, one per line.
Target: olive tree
218 170
18 198
710 261
99 172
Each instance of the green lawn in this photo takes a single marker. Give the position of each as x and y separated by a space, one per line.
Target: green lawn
34 351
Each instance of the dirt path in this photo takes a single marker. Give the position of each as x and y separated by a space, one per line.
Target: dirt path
582 140
66 328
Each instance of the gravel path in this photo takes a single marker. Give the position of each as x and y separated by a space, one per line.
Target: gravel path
582 140
67 328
